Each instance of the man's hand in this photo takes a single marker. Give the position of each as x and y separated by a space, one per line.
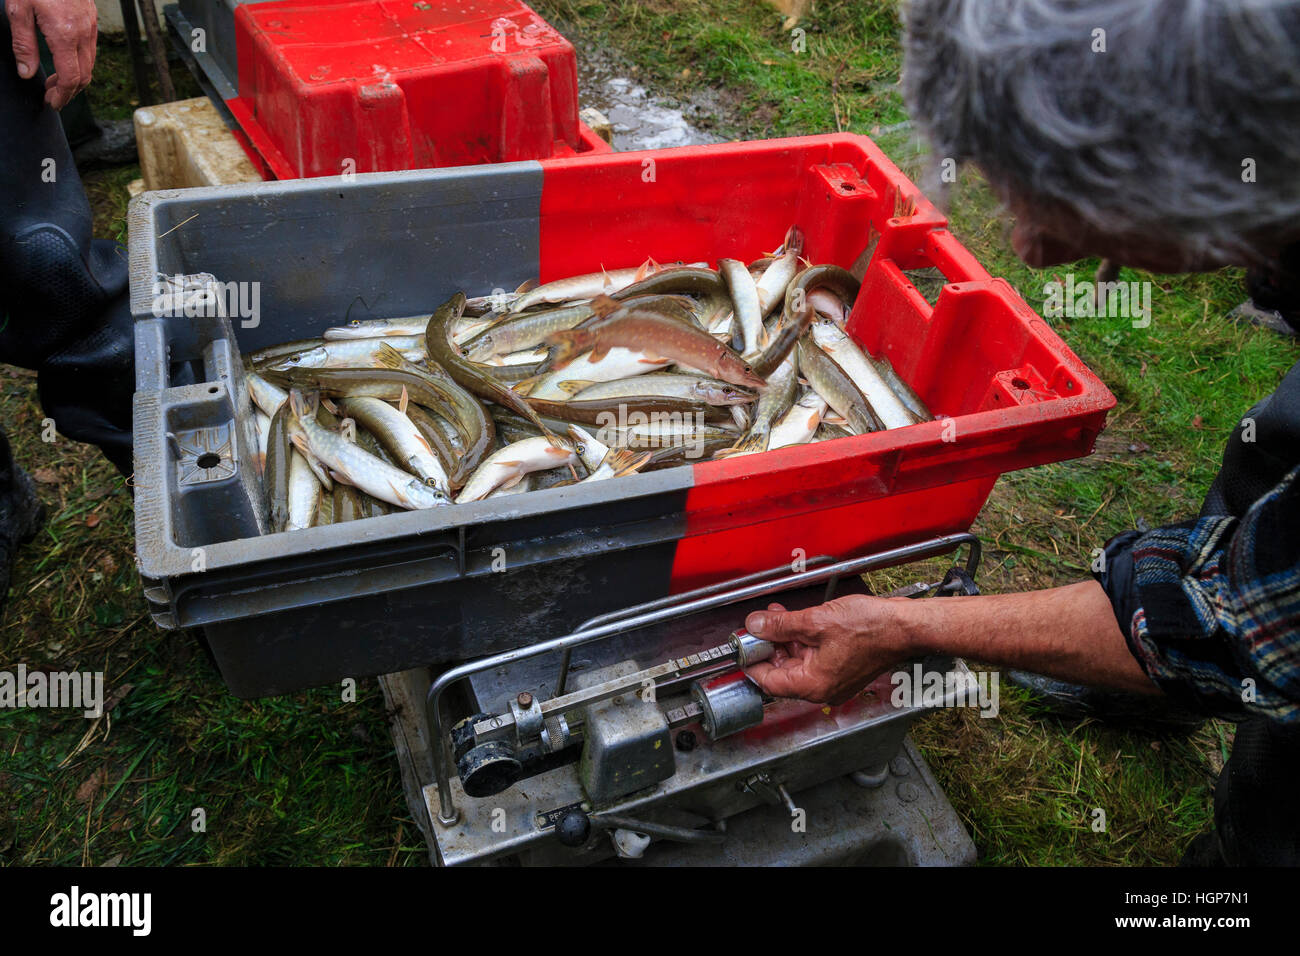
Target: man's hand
70 28
827 653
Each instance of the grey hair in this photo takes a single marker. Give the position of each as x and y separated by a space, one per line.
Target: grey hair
1146 140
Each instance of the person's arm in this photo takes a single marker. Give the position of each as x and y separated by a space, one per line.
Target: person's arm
71 30
828 653
1207 611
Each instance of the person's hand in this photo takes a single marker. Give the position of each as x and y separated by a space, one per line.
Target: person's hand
828 653
70 28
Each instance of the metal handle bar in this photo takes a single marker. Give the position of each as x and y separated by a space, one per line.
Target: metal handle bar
448 814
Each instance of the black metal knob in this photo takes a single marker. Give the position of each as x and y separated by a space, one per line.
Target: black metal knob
462 734
488 768
573 828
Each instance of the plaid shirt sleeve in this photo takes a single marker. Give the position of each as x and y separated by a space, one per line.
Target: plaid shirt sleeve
1213 607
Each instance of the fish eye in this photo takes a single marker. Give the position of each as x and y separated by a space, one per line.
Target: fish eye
748 368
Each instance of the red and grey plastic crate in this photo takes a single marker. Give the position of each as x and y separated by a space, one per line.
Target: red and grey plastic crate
326 87
285 611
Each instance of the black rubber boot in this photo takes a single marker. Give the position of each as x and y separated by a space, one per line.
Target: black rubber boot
21 514
1275 292
63 297
1254 801
86 387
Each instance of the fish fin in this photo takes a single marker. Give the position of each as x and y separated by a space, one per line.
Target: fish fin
298 404
793 240
573 471
424 443
814 420
602 305
753 442
528 285
598 353
322 473
329 406
398 492
625 461
764 338
510 464
341 479
568 346
389 357
404 401
652 360
574 386
525 388
511 482
299 442
834 418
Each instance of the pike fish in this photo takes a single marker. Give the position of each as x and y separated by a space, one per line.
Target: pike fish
799 424
749 311
351 464
832 384
349 353
658 335
587 370
835 342
600 460
773 404
776 277
445 354
508 465
376 328
401 437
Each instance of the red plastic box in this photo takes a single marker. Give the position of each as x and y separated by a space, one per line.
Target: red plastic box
1017 395
336 86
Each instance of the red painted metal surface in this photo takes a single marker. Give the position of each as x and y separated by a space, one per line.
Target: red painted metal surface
336 86
1011 393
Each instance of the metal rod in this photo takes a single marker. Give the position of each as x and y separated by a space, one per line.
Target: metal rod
157 49
613 821
448 814
672 599
134 44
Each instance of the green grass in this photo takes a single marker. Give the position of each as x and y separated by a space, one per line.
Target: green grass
309 779
840 74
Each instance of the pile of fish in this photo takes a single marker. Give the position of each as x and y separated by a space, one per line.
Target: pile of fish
583 379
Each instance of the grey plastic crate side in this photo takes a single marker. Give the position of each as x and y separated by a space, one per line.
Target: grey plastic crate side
218 59
251 577
434 624
325 250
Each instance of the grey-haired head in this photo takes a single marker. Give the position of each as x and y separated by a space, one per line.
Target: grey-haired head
1165 133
